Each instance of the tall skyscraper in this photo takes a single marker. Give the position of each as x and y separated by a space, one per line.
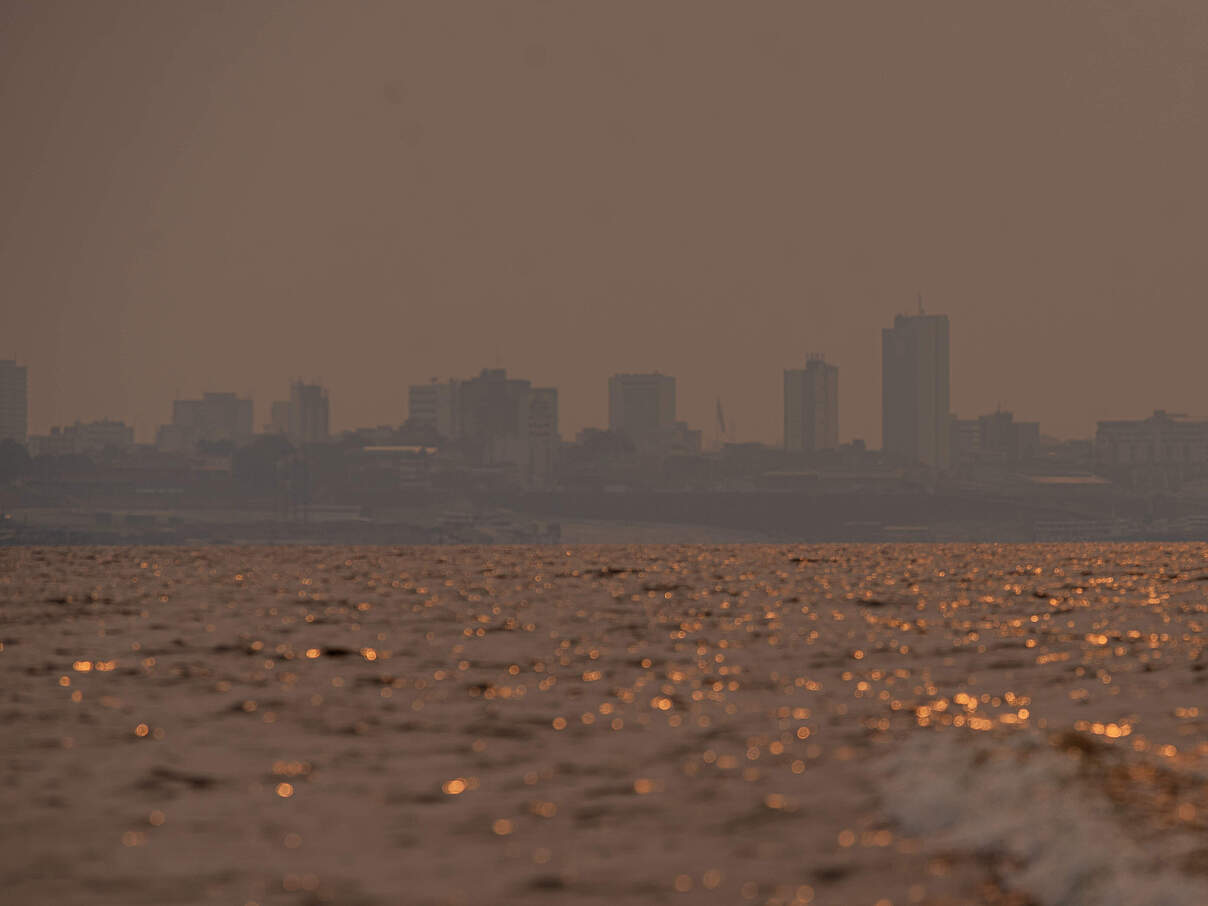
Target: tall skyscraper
641 406
14 401
914 390
309 413
811 407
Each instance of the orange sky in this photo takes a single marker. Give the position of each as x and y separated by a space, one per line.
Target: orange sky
212 196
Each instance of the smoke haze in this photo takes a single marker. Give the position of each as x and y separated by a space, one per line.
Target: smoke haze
215 196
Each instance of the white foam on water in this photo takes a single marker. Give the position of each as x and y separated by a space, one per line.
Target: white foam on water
1019 801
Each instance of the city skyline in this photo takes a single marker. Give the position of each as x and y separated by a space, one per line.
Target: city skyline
700 403
275 416
641 405
543 192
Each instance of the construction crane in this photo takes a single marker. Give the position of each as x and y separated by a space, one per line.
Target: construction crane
722 433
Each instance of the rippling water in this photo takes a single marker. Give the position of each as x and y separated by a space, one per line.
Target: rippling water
848 725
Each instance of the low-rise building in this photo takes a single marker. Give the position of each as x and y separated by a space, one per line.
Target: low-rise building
1163 439
87 438
215 418
996 438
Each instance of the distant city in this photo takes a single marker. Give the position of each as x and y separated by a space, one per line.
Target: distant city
481 459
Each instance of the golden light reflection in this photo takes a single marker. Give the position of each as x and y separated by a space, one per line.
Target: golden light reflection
800 645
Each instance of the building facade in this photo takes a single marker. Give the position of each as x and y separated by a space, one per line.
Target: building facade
88 438
491 414
14 401
1163 439
811 407
430 408
543 439
915 390
993 438
215 418
641 406
497 421
309 414
278 418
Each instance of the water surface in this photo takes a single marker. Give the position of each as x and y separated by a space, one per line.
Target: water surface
764 724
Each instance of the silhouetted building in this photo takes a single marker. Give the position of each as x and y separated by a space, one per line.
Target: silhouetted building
430 408
1016 441
544 440
83 438
1160 440
309 414
14 401
278 418
503 421
914 390
641 406
679 438
811 407
993 438
964 439
492 412
214 418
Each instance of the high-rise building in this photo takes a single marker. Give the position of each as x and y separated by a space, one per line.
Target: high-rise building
641 406
14 401
278 418
811 407
309 413
430 408
214 418
491 413
914 390
496 421
543 438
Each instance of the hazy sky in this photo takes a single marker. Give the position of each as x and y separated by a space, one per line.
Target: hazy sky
219 196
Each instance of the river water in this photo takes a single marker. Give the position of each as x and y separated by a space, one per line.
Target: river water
880 725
